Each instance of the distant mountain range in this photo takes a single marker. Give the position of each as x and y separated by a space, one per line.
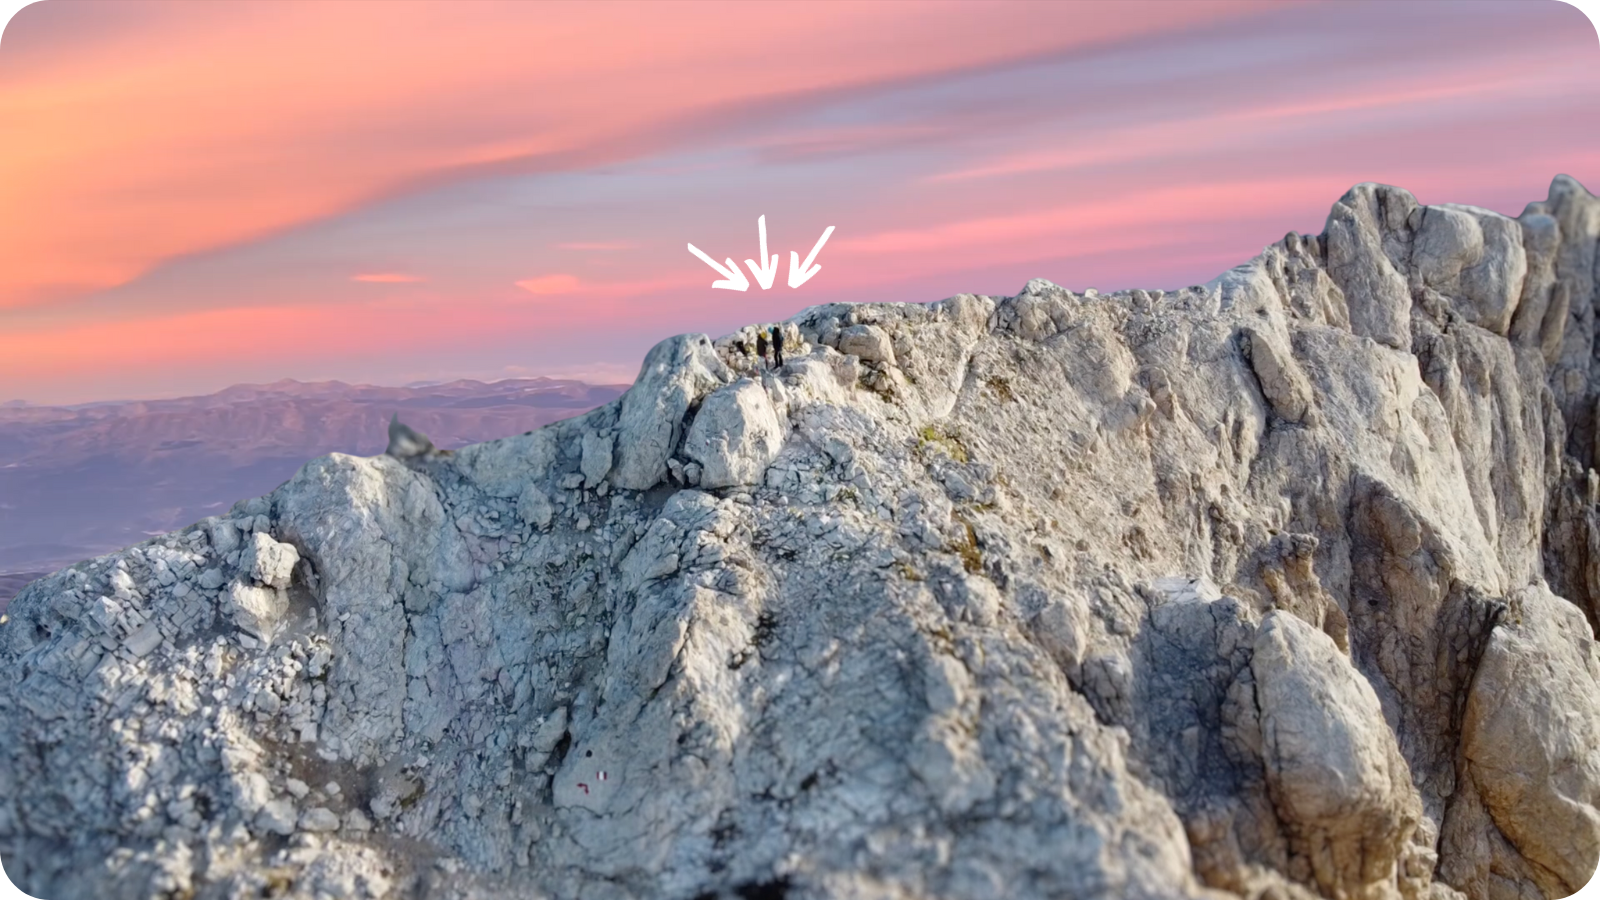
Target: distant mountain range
80 481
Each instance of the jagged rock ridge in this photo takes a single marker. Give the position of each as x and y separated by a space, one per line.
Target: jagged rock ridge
1281 586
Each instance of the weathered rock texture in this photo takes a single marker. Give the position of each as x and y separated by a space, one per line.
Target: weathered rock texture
1282 586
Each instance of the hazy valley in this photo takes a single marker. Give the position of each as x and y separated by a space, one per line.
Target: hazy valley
76 482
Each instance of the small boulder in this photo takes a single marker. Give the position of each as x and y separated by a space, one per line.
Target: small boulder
267 561
735 436
278 817
319 819
143 640
534 506
869 342
224 536
1476 258
257 610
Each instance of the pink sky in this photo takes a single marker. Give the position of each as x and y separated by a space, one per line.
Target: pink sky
204 194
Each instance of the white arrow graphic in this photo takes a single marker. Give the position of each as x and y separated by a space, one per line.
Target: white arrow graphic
735 280
800 274
768 269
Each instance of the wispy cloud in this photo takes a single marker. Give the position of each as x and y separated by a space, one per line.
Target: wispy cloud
596 245
1186 204
567 285
1305 119
388 278
851 140
551 284
351 102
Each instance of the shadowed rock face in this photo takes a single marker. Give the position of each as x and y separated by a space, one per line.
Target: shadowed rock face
1283 586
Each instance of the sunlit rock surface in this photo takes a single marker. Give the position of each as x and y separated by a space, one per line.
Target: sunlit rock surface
1280 586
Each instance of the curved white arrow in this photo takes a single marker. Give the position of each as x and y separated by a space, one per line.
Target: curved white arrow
734 279
768 270
800 274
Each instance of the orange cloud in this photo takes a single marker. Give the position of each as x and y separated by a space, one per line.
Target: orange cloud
550 284
388 278
564 285
216 337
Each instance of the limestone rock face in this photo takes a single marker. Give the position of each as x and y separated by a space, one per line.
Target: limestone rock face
1474 257
1281 586
1531 739
676 373
1333 768
735 435
1282 383
1368 239
595 458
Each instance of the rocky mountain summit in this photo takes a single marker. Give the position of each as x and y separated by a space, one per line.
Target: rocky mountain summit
1283 586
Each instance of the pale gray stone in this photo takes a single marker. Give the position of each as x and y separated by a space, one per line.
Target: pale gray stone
596 458
257 610
1531 741
734 436
534 506
1365 233
144 639
266 561
277 816
319 819
1333 767
1285 387
1474 257
869 342
1277 586
224 536
676 372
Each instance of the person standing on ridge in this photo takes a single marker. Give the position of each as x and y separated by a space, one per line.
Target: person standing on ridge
761 348
777 347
